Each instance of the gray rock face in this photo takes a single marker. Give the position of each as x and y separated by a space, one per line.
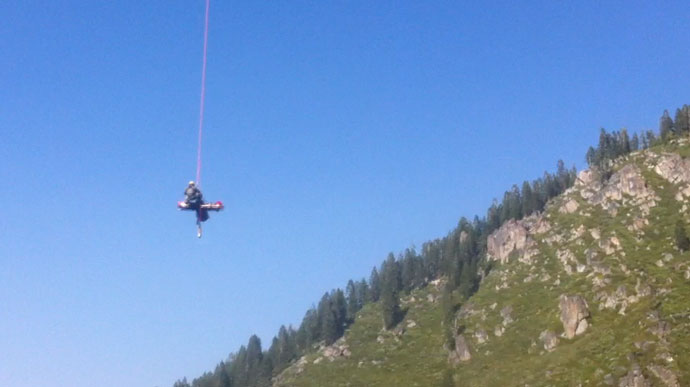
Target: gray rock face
506 314
569 207
549 339
673 168
574 313
676 170
461 352
634 378
665 375
627 181
510 237
481 336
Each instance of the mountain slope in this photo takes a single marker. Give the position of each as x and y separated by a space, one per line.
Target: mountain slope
593 291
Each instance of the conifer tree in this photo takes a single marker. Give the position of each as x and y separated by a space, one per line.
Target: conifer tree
374 285
665 126
682 120
390 302
352 300
635 143
181 383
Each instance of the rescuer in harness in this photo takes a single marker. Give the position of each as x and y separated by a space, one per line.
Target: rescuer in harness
193 197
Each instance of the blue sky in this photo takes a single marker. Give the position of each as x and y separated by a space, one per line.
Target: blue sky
335 132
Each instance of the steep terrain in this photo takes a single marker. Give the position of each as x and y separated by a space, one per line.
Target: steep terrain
593 291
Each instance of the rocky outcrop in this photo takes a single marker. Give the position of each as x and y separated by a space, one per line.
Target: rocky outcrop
481 336
627 181
665 375
676 170
634 378
569 207
507 315
549 339
461 352
337 350
512 236
574 314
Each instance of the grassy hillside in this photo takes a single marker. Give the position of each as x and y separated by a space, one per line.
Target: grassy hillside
621 257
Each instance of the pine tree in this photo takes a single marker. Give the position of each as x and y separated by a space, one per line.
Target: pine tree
390 302
635 143
352 300
254 358
682 240
181 383
448 309
329 328
339 310
362 290
221 375
682 121
374 285
528 202
665 126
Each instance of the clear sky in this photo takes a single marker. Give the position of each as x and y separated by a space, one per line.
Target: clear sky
336 131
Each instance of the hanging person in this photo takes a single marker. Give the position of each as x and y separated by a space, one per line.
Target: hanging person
193 196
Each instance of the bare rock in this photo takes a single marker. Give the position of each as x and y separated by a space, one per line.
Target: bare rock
627 181
661 329
461 352
549 339
481 336
665 375
569 207
574 314
499 330
411 324
634 378
506 314
673 168
511 236
595 233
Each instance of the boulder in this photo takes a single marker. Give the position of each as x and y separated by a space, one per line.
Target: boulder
481 336
461 352
574 314
506 314
569 207
549 339
673 168
511 236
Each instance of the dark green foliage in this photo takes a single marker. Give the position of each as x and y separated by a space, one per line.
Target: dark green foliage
448 309
665 125
352 300
635 143
181 383
390 287
682 120
374 286
682 240
613 145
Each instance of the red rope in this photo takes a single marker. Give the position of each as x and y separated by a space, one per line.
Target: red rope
201 109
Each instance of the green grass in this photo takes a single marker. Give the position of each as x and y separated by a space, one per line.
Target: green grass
517 358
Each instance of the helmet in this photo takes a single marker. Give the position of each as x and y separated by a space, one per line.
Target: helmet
191 182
